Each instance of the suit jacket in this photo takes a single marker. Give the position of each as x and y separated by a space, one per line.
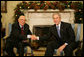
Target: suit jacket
66 31
16 35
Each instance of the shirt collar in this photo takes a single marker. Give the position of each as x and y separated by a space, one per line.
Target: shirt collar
59 25
20 26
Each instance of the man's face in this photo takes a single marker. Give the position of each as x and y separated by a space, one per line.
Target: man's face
21 20
56 19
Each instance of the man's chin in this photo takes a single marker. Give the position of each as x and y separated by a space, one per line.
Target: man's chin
56 23
22 25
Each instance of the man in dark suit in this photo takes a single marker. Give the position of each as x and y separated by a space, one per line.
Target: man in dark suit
18 37
63 37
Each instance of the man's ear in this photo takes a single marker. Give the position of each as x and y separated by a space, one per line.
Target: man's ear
18 20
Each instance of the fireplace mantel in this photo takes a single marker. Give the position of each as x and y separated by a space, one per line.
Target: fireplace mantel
44 17
47 11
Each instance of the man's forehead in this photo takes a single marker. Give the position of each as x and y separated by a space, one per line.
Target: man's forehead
22 17
56 15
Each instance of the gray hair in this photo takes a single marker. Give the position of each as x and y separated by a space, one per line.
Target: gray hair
57 14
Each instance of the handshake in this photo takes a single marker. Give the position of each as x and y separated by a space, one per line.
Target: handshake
33 37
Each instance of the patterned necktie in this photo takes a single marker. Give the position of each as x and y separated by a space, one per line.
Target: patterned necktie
22 31
58 30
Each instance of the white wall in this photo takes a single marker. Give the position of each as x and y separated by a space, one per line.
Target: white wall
8 17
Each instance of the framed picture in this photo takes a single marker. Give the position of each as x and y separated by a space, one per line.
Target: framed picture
4 6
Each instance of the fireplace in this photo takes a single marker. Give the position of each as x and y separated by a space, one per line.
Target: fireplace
39 21
41 17
41 30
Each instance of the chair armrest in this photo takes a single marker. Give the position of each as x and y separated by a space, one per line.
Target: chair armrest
4 38
4 41
79 47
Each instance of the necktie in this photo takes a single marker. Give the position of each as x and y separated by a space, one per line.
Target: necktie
22 31
58 30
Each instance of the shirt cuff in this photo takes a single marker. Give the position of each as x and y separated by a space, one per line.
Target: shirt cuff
66 43
37 37
28 36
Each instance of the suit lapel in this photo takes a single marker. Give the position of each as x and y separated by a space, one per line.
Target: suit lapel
19 27
25 28
61 29
55 31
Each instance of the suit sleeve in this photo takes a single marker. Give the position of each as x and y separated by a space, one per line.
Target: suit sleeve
71 34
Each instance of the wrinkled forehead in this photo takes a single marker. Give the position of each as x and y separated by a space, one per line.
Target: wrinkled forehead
57 14
22 18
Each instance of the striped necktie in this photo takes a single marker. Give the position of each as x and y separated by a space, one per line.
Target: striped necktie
22 31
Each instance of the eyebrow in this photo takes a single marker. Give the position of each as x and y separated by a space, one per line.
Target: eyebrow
22 19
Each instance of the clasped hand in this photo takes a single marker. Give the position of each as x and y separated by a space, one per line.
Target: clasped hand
33 37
